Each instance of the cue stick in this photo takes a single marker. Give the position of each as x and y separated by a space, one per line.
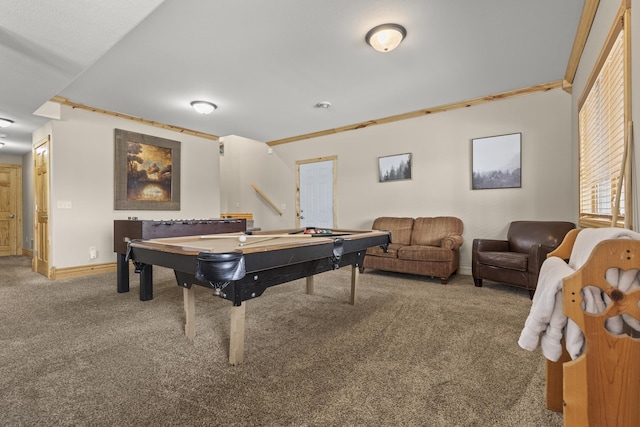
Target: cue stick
248 236
278 236
259 241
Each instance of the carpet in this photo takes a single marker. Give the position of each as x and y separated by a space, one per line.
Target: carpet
411 352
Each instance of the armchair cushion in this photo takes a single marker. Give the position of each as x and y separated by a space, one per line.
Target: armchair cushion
510 260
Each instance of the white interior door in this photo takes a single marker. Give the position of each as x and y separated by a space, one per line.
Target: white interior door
316 193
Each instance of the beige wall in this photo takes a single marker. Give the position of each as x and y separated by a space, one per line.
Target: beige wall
10 160
441 184
27 201
246 162
82 172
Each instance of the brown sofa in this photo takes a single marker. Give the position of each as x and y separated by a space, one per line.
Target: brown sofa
516 261
423 246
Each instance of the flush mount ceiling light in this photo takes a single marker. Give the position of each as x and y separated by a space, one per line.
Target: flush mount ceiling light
323 104
386 37
203 107
5 122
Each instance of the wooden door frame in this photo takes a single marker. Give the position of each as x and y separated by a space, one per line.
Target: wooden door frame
17 247
36 235
334 159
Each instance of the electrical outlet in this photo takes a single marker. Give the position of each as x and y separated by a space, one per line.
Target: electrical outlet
93 253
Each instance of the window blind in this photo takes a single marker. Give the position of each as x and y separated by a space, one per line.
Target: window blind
601 133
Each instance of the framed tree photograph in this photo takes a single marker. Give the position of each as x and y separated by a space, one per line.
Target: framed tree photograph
393 168
147 172
496 162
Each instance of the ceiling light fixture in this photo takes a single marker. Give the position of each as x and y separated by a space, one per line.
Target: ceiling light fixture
323 104
5 122
1 144
386 37
203 107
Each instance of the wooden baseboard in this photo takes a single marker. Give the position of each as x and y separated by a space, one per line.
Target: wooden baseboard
80 271
27 253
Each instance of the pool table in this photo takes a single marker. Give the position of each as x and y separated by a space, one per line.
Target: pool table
241 266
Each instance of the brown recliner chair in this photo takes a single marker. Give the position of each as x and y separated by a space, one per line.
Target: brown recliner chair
517 260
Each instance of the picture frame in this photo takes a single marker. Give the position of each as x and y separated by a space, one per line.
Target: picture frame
395 168
496 162
146 172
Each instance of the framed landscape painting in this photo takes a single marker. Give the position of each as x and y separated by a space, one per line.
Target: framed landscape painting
147 172
393 168
496 162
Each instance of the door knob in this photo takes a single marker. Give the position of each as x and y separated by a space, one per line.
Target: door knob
12 216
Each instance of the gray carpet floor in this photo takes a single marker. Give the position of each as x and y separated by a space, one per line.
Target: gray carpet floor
411 352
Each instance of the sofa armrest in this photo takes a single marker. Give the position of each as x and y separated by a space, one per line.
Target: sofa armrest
452 242
490 245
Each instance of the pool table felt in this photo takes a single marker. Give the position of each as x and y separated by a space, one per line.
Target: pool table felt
229 242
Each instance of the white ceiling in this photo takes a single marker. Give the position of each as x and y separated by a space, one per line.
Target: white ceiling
267 63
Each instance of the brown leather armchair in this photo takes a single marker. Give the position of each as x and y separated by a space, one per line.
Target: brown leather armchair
517 260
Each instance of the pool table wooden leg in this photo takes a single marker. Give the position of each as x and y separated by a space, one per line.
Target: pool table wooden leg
190 312
310 285
146 282
122 267
236 335
355 276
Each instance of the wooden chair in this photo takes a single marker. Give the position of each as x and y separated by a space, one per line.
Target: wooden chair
601 387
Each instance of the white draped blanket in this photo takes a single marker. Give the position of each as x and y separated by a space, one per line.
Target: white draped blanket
546 322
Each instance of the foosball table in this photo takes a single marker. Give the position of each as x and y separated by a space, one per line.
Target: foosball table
125 231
